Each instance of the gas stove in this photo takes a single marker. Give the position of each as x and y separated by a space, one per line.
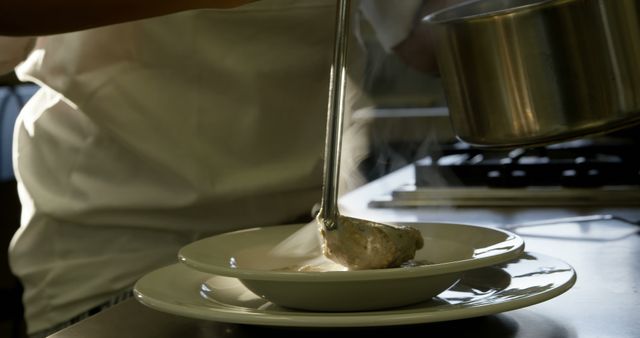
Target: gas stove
595 171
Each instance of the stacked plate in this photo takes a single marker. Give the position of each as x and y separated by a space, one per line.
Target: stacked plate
245 277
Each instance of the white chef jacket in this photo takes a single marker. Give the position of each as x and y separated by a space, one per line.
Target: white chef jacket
148 135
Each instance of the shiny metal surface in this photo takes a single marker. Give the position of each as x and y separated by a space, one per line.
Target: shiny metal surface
605 294
352 242
522 72
328 213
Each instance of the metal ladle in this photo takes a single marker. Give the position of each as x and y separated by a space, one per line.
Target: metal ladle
355 243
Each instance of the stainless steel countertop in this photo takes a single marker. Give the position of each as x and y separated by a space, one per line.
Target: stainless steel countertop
604 302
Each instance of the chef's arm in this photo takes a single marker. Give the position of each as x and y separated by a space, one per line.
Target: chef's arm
45 17
399 27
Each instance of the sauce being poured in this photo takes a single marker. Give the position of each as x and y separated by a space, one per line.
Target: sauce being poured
321 265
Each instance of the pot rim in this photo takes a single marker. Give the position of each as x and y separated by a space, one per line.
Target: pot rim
447 15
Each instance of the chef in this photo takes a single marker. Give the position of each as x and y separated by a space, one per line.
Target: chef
158 124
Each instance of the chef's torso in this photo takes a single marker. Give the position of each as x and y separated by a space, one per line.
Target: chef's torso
212 116
192 123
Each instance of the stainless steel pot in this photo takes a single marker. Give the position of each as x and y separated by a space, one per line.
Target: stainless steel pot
527 72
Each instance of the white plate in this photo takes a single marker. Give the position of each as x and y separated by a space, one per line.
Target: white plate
250 256
533 278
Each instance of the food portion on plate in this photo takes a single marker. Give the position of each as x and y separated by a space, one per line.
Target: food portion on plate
358 244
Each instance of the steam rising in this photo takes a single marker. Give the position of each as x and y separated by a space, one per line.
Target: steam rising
306 242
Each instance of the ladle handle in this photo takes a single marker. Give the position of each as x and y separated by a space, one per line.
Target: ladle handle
335 113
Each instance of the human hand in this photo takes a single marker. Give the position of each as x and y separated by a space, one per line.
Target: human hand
417 50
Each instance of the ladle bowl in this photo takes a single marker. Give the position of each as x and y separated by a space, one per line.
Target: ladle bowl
353 242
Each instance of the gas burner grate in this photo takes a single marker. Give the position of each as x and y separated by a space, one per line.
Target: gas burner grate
586 172
582 163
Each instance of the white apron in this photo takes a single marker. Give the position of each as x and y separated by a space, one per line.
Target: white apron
148 135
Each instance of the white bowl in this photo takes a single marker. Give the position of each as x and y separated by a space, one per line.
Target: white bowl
250 256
